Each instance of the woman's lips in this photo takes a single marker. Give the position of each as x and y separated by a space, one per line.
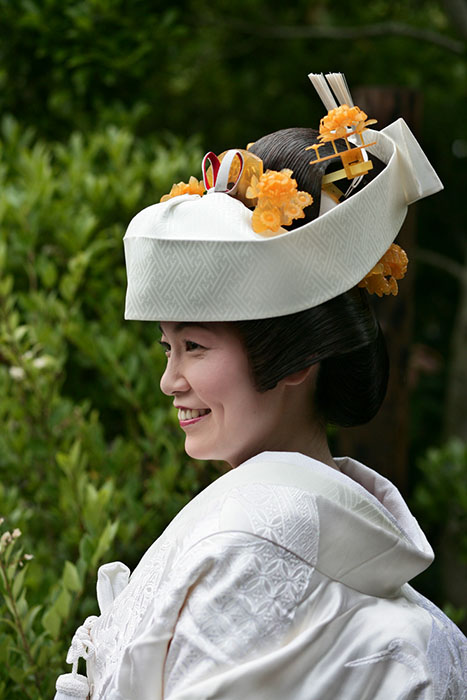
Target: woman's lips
189 416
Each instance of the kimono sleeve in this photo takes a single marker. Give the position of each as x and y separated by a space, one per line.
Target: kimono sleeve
234 599
243 606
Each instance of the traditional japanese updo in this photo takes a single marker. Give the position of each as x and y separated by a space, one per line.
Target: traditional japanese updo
341 334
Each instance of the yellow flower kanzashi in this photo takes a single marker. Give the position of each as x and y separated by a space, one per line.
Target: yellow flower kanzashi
335 124
382 278
194 186
278 201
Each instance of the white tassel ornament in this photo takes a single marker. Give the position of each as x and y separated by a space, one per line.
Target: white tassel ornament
72 686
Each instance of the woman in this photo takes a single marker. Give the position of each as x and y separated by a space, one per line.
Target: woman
287 577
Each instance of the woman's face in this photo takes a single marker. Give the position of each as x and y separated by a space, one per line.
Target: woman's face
223 415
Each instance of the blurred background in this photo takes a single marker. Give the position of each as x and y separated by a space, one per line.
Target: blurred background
104 105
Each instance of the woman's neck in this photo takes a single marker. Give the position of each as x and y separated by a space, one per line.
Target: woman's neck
305 432
310 440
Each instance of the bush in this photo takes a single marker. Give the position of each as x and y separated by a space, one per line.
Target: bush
440 501
90 454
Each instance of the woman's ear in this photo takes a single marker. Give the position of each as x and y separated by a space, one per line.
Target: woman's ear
302 375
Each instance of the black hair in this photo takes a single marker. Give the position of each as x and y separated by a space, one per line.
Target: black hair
342 334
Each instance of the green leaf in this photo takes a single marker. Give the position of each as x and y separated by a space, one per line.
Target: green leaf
19 333
6 285
105 540
18 583
71 579
51 622
21 605
86 549
3 255
11 607
40 647
10 623
47 271
4 650
29 618
63 603
68 286
17 674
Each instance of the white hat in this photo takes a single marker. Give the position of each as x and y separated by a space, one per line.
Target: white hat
195 258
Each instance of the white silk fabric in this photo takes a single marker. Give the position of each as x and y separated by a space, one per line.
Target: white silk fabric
283 580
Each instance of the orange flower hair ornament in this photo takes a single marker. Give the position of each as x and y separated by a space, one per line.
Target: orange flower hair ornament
278 201
338 121
344 122
382 278
274 195
194 186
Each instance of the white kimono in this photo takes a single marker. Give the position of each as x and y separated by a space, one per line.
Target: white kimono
283 580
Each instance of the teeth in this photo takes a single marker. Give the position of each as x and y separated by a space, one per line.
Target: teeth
188 414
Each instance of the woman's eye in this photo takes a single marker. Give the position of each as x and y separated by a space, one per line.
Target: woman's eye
191 345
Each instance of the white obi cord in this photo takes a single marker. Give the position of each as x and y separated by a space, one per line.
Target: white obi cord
112 579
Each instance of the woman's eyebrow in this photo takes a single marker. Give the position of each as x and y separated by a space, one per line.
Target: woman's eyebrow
185 324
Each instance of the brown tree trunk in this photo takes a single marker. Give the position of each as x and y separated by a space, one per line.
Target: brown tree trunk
383 443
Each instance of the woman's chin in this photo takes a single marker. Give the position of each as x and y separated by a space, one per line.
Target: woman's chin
203 452
197 451
214 454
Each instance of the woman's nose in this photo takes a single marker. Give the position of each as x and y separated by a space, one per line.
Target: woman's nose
173 381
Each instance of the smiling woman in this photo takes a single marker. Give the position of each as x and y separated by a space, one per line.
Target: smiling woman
287 578
208 371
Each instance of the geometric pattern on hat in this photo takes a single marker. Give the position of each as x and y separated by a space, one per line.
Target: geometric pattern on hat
197 258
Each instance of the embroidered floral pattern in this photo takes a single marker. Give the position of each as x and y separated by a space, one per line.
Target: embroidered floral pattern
283 514
382 278
278 201
446 653
216 628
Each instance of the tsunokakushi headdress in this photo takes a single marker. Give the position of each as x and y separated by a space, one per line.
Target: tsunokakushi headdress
219 250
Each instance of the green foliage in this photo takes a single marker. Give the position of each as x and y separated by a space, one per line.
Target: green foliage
90 457
445 481
194 66
440 501
441 495
18 654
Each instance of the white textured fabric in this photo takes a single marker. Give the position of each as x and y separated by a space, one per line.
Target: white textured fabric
283 579
72 686
197 258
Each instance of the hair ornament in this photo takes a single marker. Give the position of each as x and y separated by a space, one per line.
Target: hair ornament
193 186
278 201
349 123
239 173
344 121
382 278
338 121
